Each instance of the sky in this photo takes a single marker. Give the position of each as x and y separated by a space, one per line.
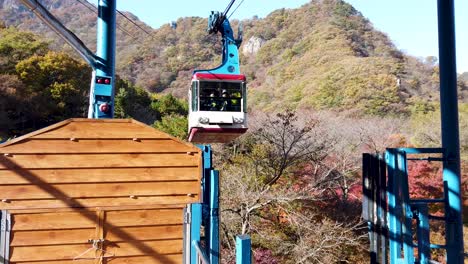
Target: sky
410 24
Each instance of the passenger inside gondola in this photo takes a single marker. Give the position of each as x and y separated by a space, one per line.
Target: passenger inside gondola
220 96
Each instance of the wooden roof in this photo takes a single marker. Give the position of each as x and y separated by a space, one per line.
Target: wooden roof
98 162
84 128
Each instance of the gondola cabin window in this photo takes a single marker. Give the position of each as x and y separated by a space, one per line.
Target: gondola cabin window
221 96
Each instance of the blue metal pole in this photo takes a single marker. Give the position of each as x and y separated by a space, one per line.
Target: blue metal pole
214 218
103 82
106 36
394 224
243 245
207 168
450 129
424 244
407 215
206 195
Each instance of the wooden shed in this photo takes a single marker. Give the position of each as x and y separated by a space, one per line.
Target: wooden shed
97 191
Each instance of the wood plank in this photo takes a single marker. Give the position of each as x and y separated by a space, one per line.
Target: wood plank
105 208
102 130
145 248
34 133
32 146
44 253
103 120
168 259
82 261
145 233
54 220
52 161
51 237
99 202
144 217
156 249
99 175
93 190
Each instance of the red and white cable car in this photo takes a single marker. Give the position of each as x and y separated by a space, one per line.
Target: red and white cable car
217 110
217 97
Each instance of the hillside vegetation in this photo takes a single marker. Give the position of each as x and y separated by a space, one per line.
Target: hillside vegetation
323 55
39 87
324 86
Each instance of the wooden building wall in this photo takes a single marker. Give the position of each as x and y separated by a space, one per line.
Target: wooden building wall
81 179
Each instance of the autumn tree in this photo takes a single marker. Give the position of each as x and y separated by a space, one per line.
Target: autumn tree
267 182
12 106
56 87
16 46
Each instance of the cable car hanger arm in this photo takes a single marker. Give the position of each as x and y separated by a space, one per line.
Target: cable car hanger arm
218 22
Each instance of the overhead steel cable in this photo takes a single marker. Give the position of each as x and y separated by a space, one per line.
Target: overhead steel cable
228 7
85 5
134 23
235 9
94 10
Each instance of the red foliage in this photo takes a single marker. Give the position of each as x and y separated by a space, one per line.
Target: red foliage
264 256
425 180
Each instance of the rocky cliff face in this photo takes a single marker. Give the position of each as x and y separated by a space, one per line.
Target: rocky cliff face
252 46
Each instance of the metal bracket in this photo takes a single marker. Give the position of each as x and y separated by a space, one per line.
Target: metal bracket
187 217
5 237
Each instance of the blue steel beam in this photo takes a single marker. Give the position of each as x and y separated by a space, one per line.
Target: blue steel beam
450 129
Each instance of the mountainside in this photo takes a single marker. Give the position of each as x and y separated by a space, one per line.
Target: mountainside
323 55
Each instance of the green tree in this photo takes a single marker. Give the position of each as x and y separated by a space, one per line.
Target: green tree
169 104
12 106
16 46
133 102
173 113
56 86
173 124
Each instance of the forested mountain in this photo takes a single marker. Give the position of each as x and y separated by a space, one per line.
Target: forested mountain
323 55
324 87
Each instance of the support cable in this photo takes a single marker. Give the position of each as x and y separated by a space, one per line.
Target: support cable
134 23
228 7
94 10
43 14
235 9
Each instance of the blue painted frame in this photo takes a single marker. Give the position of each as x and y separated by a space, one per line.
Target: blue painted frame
403 209
206 213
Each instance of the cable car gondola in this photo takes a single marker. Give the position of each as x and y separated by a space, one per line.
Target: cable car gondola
217 97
